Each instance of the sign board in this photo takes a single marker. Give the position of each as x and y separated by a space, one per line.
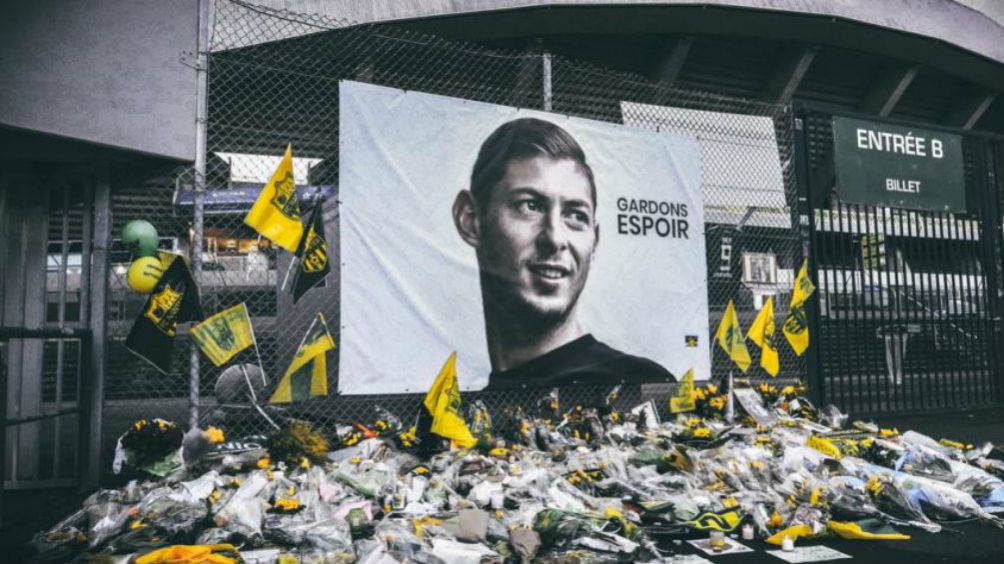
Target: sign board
879 164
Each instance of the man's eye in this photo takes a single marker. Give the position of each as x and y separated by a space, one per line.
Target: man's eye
578 219
528 206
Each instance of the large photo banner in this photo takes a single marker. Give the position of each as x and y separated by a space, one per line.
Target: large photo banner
543 249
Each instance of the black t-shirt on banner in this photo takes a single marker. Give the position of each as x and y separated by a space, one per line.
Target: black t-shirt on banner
583 361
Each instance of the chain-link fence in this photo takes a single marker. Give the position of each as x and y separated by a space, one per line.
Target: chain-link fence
273 80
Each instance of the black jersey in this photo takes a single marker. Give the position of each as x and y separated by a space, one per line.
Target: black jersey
584 361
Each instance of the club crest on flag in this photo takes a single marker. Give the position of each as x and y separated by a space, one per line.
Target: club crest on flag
219 331
763 333
224 334
315 253
174 300
284 197
730 338
164 308
796 324
276 212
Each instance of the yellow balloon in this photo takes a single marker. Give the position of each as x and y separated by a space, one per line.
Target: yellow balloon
143 274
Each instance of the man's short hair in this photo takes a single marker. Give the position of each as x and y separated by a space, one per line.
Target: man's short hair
523 138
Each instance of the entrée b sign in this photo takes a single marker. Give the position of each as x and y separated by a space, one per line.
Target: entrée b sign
889 165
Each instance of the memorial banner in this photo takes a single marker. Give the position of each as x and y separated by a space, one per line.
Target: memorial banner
545 250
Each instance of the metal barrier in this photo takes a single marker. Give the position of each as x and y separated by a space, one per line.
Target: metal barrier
68 453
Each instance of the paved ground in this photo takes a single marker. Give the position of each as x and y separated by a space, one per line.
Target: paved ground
26 512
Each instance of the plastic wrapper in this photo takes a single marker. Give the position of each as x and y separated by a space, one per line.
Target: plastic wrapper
453 552
243 512
925 461
63 541
330 534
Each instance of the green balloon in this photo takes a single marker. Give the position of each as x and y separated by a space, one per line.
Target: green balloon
140 237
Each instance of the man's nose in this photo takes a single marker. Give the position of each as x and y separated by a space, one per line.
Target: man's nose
553 235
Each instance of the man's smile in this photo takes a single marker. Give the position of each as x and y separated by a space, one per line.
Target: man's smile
549 271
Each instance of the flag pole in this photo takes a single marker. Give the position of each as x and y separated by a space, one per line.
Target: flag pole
254 397
729 405
254 340
289 270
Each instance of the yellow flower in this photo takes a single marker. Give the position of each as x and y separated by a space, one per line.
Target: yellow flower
775 521
699 394
816 497
788 391
215 496
888 433
264 463
712 389
286 505
718 402
874 486
214 435
730 502
702 433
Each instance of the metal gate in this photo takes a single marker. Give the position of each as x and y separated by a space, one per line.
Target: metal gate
45 340
909 302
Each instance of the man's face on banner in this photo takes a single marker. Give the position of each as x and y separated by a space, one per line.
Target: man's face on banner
538 235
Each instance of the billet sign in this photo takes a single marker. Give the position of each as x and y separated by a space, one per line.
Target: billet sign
879 164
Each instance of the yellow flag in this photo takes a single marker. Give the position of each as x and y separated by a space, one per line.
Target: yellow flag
762 333
684 399
796 325
276 212
803 285
730 338
223 335
307 375
443 404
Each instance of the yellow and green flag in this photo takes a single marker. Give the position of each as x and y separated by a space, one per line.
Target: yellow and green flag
276 212
796 325
443 404
307 375
762 333
684 399
730 338
225 334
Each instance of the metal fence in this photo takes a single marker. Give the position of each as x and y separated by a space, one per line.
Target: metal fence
910 302
273 80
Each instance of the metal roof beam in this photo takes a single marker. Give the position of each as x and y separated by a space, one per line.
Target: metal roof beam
671 63
787 75
965 112
886 92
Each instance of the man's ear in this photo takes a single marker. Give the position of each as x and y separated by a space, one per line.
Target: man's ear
597 232
465 218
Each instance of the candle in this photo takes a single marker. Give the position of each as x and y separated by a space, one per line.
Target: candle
787 544
747 532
